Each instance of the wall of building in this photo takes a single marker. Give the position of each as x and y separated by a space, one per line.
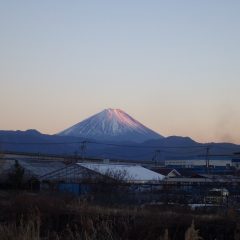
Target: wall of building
197 163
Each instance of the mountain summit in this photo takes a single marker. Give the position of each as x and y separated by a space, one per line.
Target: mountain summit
111 125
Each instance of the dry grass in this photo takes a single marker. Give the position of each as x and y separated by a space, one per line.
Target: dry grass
49 217
25 230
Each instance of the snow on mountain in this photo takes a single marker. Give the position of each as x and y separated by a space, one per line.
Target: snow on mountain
111 125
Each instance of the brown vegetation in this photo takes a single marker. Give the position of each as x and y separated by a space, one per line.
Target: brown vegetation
28 216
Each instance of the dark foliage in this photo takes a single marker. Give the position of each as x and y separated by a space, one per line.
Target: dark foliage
15 177
65 217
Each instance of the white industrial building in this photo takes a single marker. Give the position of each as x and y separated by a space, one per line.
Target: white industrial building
193 163
127 173
80 172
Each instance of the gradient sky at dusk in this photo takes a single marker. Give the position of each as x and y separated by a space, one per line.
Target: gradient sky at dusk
173 65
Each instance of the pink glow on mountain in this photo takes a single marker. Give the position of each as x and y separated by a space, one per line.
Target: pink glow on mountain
113 125
122 117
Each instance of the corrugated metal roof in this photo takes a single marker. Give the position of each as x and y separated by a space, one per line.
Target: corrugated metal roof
32 167
41 167
72 173
129 173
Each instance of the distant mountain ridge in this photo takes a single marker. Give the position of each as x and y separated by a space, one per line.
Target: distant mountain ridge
173 147
112 134
111 125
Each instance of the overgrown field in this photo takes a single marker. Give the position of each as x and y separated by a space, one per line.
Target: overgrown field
28 216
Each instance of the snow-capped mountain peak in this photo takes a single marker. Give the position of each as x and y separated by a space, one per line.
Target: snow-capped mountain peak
113 125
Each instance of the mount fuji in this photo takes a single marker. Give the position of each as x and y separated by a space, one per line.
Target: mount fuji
111 125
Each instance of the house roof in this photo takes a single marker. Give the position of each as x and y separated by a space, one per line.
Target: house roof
129 173
189 173
166 171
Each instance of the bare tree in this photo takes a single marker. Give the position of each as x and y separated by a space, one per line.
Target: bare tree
110 186
16 176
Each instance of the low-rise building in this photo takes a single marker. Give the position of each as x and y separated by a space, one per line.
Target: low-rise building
217 196
83 175
195 163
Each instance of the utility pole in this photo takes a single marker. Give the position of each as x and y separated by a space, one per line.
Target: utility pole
83 148
207 159
156 156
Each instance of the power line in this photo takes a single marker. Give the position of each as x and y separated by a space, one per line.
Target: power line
40 143
141 146
115 145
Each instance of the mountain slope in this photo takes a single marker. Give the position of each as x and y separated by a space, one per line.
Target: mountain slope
32 141
174 147
111 125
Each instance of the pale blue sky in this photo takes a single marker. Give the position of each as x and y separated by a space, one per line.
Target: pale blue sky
173 65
